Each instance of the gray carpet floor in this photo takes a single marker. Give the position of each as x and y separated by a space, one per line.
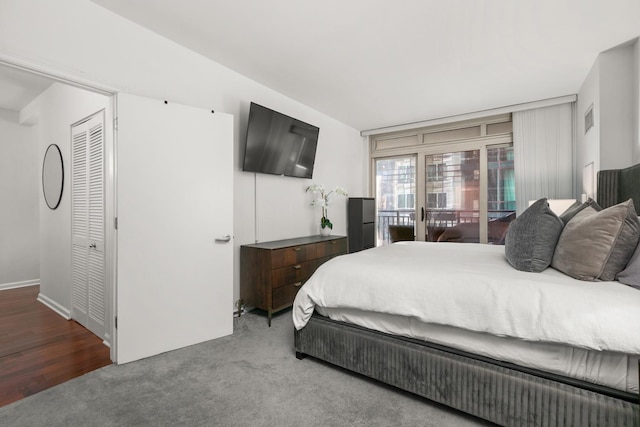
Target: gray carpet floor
250 378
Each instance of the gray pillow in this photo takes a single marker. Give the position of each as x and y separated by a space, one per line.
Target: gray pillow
532 237
577 207
598 245
631 273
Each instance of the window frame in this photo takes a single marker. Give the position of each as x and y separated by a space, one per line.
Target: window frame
420 143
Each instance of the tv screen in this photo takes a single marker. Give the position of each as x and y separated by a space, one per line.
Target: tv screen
278 144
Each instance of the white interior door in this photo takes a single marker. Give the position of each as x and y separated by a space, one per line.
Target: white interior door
87 224
174 209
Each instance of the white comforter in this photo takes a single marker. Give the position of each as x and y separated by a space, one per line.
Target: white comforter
472 286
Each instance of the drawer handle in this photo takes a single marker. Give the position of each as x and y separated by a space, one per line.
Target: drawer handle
297 267
297 284
296 249
333 242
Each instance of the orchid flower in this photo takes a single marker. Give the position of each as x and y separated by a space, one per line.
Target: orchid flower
324 199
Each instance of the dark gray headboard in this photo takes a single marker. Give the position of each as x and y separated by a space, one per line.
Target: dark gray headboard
618 185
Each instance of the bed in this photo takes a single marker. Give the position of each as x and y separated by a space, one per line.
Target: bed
569 357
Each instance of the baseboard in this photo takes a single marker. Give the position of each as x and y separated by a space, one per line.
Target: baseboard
62 311
22 284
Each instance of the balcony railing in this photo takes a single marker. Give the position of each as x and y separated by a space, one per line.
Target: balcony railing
393 217
436 218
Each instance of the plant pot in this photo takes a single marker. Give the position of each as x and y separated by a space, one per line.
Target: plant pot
326 231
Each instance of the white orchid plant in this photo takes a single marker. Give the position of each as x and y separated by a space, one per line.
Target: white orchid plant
323 199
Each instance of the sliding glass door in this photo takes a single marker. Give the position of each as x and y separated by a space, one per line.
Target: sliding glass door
465 195
395 197
501 192
452 194
456 186
449 182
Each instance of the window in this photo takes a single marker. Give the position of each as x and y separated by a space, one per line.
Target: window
501 181
466 180
395 193
436 200
456 196
501 192
435 171
406 201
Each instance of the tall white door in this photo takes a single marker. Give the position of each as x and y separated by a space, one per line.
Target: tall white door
174 210
87 224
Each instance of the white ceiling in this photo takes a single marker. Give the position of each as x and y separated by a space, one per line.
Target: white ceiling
18 88
375 63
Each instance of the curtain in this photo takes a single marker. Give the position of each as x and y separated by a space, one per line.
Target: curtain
543 149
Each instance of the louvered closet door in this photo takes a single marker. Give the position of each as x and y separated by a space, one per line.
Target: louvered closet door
88 260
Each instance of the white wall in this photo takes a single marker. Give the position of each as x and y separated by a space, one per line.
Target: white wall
588 145
616 111
636 100
86 41
612 87
56 109
20 191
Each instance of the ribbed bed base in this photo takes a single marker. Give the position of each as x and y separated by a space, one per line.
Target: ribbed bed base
496 393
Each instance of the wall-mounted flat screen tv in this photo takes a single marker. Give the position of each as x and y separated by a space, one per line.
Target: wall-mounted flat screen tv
278 144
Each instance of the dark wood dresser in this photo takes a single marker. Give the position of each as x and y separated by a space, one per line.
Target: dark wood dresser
272 272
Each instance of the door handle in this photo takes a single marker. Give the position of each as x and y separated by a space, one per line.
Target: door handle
422 213
223 239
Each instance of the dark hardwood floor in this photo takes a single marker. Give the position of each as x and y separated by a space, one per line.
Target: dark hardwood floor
39 348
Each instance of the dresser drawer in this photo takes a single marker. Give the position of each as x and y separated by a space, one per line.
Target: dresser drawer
292 255
331 248
284 295
292 273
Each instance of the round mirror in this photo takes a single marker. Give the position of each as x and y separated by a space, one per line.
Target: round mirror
52 176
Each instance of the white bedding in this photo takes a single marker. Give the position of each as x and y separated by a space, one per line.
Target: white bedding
472 287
